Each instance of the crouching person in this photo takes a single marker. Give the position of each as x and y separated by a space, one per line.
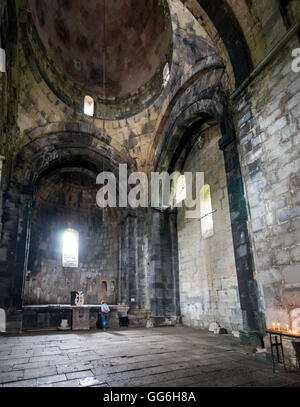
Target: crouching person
104 314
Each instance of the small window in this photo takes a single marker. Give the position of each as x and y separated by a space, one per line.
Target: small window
70 248
207 226
166 74
89 106
2 60
104 286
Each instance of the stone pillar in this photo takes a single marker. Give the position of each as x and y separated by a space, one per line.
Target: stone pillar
133 267
2 320
125 260
163 286
16 213
253 319
149 267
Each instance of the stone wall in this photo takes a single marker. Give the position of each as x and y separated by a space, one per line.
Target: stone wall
207 272
59 205
48 282
268 122
214 50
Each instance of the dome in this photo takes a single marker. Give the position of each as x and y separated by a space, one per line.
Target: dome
120 43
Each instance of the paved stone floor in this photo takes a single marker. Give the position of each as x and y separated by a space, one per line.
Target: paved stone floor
135 357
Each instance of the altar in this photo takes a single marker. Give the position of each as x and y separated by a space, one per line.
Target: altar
84 317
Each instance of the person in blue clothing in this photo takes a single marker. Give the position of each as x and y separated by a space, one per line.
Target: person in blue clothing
104 314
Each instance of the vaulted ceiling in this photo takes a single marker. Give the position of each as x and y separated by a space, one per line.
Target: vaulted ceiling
108 48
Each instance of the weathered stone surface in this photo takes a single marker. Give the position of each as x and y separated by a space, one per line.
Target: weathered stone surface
213 326
270 193
207 273
247 272
146 357
81 319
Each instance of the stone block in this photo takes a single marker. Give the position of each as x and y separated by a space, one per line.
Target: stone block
81 319
282 257
270 276
213 326
278 125
247 116
289 213
295 254
270 119
291 273
3 254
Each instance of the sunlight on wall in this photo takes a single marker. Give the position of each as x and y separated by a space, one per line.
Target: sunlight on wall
207 226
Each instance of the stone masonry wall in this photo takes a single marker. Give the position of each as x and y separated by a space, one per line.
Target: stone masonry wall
207 272
60 205
97 273
268 119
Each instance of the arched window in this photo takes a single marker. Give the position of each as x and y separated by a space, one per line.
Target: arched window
104 286
89 106
207 225
2 60
166 74
70 248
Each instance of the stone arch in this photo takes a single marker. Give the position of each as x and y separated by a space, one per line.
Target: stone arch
37 153
178 137
59 143
75 128
195 115
230 32
206 84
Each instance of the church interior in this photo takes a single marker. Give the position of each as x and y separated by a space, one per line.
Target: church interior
199 86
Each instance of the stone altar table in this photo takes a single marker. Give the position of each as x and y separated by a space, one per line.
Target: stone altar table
49 316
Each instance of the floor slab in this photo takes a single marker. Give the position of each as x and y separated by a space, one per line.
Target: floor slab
164 357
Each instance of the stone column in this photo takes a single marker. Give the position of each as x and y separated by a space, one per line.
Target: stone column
16 212
163 289
253 319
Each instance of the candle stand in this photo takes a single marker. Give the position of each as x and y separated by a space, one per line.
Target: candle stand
277 348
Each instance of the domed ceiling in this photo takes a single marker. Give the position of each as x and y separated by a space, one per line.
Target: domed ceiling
123 41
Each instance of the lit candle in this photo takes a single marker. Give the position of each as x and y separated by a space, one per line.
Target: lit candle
273 325
278 326
287 327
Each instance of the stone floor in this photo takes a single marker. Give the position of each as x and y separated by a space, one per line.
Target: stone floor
135 357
